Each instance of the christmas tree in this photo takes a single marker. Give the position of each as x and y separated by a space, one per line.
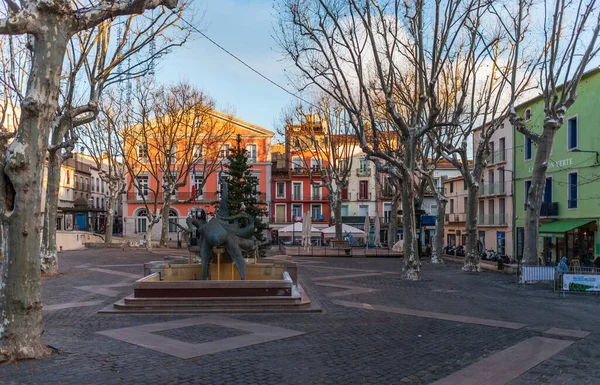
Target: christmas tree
243 187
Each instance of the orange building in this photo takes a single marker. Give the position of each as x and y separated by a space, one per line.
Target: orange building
187 198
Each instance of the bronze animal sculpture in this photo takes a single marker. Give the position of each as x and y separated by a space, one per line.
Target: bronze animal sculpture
220 232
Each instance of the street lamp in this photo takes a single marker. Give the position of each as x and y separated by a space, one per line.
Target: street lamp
592 152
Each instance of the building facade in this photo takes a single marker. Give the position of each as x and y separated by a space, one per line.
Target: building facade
455 219
255 139
570 213
495 194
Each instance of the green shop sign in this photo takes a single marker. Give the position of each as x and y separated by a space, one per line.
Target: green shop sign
552 235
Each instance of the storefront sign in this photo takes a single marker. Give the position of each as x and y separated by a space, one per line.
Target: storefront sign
557 163
552 235
579 282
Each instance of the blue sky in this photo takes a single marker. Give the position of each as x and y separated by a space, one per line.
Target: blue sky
245 29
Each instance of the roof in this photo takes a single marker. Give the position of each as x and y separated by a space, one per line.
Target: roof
562 226
587 74
250 126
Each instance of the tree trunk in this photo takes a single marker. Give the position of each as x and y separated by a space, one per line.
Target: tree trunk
21 299
337 216
412 264
164 229
472 257
438 237
110 213
393 225
149 234
535 196
49 257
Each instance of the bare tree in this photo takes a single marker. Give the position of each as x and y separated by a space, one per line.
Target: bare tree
50 25
323 135
571 31
113 51
101 139
173 131
382 62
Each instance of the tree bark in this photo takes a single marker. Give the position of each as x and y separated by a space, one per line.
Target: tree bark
337 216
21 302
412 264
438 237
49 256
110 213
472 257
149 234
535 195
164 229
393 225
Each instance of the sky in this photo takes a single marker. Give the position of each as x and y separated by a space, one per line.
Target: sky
243 27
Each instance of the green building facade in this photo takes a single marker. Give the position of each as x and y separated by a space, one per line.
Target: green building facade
570 213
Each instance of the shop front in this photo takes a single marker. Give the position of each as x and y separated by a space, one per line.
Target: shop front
573 239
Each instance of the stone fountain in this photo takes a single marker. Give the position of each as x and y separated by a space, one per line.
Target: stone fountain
218 279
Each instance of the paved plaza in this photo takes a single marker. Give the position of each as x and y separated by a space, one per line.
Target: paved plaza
451 328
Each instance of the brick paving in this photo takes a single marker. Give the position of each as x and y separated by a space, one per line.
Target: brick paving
343 345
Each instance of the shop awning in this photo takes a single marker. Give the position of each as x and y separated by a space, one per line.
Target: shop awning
561 227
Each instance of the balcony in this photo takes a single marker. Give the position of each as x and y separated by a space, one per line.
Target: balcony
492 220
364 197
181 197
386 193
363 172
455 218
497 157
549 209
488 189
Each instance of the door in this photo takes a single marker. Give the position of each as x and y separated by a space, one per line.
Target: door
81 222
280 213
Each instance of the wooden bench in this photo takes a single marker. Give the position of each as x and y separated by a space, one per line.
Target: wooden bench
335 244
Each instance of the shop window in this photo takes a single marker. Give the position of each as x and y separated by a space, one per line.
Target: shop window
501 243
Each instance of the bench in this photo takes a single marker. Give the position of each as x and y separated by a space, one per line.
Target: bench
335 244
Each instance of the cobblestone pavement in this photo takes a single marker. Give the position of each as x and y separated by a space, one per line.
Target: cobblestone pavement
342 345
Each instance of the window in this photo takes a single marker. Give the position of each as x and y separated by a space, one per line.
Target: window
464 184
345 193
251 153
197 186
451 206
280 193
58 223
315 164
142 186
387 212
573 180
279 213
501 211
501 150
465 204
199 151
492 159
452 187
225 150
173 221
316 212
500 246
296 191
363 165
97 203
103 183
527 187
528 145
572 134
296 211
92 183
142 152
363 191
316 193
345 210
141 221
433 210
527 114
68 177
491 212
297 164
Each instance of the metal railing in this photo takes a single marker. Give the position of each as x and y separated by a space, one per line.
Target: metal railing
498 188
363 172
497 157
455 218
492 220
181 196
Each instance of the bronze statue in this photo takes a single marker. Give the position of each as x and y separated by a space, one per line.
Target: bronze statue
221 233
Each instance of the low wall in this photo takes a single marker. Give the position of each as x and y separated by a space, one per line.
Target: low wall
74 240
485 265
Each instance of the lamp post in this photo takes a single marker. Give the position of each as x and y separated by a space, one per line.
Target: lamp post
513 204
591 152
